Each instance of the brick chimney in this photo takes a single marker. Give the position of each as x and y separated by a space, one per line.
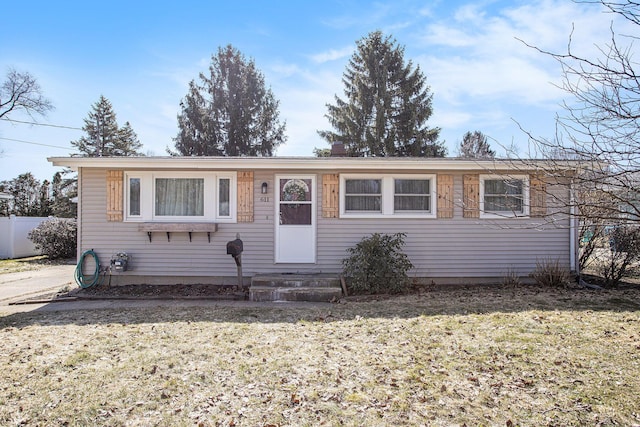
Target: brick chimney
338 150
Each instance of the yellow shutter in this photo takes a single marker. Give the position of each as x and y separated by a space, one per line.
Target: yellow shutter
445 196
537 196
471 196
245 196
330 195
115 195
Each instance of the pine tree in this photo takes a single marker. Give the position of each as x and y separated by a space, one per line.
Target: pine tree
104 137
475 146
127 143
196 135
63 189
229 112
387 104
27 195
44 200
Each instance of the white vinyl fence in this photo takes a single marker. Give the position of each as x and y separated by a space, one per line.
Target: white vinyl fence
14 230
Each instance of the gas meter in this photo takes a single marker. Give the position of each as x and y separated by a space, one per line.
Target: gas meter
120 261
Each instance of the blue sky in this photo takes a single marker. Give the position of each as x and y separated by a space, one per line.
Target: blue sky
141 56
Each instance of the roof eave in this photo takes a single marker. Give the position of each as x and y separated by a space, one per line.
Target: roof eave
316 163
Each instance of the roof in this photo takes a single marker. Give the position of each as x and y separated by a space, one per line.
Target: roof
315 163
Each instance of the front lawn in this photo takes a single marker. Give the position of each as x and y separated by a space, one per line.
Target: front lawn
30 263
477 356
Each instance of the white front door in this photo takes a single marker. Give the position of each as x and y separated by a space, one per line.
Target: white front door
296 219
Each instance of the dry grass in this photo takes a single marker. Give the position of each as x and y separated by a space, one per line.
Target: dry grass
477 357
30 263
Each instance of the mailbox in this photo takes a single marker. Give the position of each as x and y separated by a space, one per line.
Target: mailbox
234 247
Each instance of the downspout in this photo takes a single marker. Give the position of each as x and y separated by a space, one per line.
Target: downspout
79 217
573 236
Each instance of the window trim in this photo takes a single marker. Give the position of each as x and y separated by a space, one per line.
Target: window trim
506 214
388 196
363 214
211 194
127 197
232 198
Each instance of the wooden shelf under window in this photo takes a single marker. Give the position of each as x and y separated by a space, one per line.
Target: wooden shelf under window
178 227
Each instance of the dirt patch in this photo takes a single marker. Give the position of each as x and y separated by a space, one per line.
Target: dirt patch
160 291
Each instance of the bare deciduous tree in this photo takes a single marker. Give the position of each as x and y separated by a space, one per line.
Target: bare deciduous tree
600 127
21 92
601 120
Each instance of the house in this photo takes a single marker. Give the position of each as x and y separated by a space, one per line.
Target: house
466 221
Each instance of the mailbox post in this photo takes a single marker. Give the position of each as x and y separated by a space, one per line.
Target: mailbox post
235 248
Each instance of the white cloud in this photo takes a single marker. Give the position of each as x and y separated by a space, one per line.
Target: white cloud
303 100
450 118
332 55
459 79
479 56
284 70
469 13
365 17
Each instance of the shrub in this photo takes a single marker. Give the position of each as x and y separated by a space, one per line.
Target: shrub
377 264
511 278
56 237
549 273
624 245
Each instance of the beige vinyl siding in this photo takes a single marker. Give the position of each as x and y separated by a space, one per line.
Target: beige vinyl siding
457 247
168 258
439 248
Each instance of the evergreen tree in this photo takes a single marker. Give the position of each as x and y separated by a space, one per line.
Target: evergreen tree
104 137
387 104
196 134
127 143
322 152
63 190
475 145
44 200
30 198
5 208
229 112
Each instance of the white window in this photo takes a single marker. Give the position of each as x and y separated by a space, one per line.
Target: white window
369 196
224 197
504 196
180 196
363 195
133 196
412 195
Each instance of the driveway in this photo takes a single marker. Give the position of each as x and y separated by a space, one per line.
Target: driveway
14 286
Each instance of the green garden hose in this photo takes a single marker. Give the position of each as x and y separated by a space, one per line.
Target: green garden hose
87 281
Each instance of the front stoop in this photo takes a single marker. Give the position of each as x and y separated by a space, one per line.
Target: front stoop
295 287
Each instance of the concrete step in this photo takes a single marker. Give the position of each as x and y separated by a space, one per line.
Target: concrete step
297 293
296 281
